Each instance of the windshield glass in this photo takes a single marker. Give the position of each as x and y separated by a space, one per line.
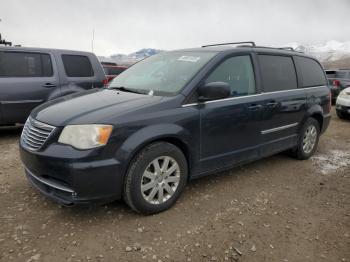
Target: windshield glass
163 74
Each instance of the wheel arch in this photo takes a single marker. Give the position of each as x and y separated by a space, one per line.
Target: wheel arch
169 133
176 141
315 112
319 118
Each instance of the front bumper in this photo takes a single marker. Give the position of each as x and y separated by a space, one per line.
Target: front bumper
71 176
343 109
343 102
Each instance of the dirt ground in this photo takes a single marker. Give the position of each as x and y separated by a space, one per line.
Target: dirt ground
276 209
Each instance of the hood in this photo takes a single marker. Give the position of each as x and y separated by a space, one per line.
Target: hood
95 106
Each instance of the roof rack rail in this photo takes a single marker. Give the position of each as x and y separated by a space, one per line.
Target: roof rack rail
252 44
280 48
233 43
287 48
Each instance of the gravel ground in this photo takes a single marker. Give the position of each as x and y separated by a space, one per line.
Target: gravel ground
275 209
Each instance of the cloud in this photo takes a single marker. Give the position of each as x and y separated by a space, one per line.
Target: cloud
126 26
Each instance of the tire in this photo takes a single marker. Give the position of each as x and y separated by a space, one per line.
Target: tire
340 114
302 151
156 182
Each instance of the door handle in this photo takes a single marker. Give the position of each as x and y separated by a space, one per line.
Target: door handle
255 107
272 104
49 85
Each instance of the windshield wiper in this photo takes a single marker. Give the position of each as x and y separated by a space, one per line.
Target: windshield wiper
125 89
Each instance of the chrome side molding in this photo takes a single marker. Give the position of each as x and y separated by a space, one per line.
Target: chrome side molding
276 129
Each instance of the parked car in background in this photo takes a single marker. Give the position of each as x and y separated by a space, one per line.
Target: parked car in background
343 103
112 71
108 63
338 80
173 117
31 76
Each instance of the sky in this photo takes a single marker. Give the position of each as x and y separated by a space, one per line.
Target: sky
129 25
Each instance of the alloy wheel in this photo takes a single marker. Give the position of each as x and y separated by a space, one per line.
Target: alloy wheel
160 180
310 138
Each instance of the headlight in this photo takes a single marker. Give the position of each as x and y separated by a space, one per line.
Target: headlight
85 136
345 94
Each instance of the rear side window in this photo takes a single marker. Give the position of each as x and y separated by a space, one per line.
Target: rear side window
342 74
77 66
277 72
330 74
310 71
23 64
238 73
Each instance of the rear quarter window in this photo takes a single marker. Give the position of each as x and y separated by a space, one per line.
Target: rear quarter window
330 74
310 72
342 74
77 66
277 73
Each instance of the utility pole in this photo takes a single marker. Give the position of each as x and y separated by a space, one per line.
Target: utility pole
93 38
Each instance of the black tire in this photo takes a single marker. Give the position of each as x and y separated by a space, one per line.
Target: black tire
133 195
299 152
340 114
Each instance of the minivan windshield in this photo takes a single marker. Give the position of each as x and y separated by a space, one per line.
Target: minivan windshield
164 74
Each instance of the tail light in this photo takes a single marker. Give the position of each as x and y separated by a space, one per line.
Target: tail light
105 82
336 83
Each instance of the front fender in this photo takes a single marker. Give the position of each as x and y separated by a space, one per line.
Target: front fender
152 133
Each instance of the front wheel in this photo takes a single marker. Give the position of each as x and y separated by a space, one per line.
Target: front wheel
156 178
308 139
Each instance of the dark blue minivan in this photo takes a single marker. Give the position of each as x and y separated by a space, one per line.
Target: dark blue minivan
173 117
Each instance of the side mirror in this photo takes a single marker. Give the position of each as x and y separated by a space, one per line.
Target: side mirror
214 91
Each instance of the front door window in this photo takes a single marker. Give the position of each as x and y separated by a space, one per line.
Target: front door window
238 73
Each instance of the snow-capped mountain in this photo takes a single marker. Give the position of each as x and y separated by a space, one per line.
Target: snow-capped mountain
124 59
143 53
327 52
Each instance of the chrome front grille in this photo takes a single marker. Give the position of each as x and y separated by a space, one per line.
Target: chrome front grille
35 134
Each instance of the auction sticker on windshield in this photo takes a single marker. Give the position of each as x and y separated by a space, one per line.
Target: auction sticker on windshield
192 59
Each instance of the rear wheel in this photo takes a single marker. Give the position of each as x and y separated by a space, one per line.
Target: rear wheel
308 139
156 178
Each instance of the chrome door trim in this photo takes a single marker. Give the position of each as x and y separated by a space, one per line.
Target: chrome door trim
238 97
220 100
276 129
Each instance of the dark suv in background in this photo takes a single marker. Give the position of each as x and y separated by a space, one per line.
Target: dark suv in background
31 76
173 117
